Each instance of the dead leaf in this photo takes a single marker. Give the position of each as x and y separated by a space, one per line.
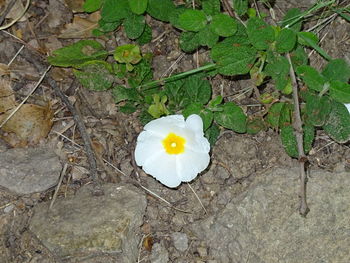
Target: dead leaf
4 70
27 126
7 97
75 5
16 11
81 27
148 243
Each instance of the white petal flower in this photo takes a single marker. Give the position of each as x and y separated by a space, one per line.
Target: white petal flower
173 150
348 107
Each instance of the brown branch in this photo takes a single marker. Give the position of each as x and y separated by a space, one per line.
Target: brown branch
39 64
298 131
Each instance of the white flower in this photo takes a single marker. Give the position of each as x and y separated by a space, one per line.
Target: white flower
348 107
173 150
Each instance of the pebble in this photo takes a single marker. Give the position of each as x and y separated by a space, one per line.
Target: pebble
8 208
180 241
159 254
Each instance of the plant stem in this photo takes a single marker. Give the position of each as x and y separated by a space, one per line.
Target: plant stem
298 131
162 81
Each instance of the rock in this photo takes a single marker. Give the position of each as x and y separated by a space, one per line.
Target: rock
86 225
180 241
242 156
30 170
263 223
159 254
8 208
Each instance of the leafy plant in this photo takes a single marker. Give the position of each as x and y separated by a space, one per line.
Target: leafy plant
245 45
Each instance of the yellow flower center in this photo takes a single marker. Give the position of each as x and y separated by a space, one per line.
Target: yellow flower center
174 144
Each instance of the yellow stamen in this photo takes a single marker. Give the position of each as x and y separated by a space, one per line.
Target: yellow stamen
174 144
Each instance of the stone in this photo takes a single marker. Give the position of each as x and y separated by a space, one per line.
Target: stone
8 208
85 225
29 170
159 254
263 223
180 241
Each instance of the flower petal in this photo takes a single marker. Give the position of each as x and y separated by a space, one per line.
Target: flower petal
163 168
191 163
195 123
348 107
147 145
164 125
196 142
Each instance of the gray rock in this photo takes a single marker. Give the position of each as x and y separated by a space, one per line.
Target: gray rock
263 224
29 170
159 254
86 225
180 241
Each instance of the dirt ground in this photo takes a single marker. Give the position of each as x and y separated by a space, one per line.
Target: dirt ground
233 166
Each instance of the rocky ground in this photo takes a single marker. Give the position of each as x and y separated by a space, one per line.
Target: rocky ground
243 208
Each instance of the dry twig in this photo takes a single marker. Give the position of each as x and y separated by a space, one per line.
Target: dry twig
298 130
77 119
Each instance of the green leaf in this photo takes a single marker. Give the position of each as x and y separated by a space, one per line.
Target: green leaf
92 5
317 109
212 134
337 125
193 108
240 6
289 140
142 73
260 34
189 41
274 114
312 78
198 89
233 60
121 93
255 125
211 7
291 19
160 9
215 102
197 108
337 69
115 10
278 68
129 54
285 118
340 91
307 39
231 117
240 38
77 54
192 20
95 75
207 37
146 36
174 16
285 40
310 40
145 117
223 25
176 93
105 27
299 57
138 6
158 108
134 25
128 108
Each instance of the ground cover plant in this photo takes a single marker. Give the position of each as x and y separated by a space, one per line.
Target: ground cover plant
242 43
